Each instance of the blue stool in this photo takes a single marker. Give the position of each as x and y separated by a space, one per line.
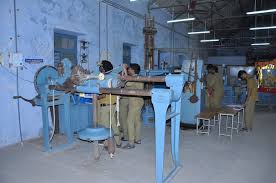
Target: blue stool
95 134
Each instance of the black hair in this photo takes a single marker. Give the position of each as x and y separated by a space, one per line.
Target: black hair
209 66
106 65
215 68
135 67
240 73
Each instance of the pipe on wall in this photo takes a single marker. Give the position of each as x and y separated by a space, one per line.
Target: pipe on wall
17 70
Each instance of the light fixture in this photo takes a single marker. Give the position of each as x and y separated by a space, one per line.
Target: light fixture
261 11
132 0
260 44
199 32
181 20
209 40
262 28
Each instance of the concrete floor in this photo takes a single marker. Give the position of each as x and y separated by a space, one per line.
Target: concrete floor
249 158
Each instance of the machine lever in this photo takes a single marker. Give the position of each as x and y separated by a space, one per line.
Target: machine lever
27 100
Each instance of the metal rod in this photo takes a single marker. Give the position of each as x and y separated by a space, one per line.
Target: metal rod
17 71
106 30
146 79
126 92
170 6
171 40
99 31
95 99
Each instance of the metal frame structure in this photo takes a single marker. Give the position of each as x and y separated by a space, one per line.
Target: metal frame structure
228 19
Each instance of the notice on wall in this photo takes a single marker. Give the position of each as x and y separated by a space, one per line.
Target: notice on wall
33 61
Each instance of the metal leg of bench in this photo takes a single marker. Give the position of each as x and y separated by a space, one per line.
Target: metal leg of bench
209 123
238 125
227 118
214 119
219 123
197 125
232 126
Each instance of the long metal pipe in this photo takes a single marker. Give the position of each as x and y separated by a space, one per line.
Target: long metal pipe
106 30
146 79
17 70
99 31
95 118
115 91
126 92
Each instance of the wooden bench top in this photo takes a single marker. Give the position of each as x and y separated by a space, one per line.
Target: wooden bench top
210 113
207 114
228 110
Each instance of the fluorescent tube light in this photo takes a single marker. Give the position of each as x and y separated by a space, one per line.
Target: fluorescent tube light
181 20
263 28
260 44
200 32
208 40
261 11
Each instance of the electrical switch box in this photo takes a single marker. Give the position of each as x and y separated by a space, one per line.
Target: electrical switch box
16 59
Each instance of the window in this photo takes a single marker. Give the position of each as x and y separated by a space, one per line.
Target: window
126 53
65 46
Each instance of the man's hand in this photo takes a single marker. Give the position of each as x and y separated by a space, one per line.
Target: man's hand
210 91
203 79
101 96
124 72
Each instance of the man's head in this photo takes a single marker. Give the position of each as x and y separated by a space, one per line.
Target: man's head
133 69
242 74
60 69
105 66
210 68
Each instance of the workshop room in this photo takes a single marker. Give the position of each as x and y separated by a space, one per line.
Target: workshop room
138 91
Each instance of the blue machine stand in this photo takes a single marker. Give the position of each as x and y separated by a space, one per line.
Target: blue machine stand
64 100
161 99
43 78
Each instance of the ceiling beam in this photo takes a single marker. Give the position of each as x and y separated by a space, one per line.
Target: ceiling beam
169 6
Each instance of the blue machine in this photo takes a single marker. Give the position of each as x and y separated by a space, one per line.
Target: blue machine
161 98
188 110
73 116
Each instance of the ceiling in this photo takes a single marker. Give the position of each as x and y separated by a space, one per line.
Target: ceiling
227 20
